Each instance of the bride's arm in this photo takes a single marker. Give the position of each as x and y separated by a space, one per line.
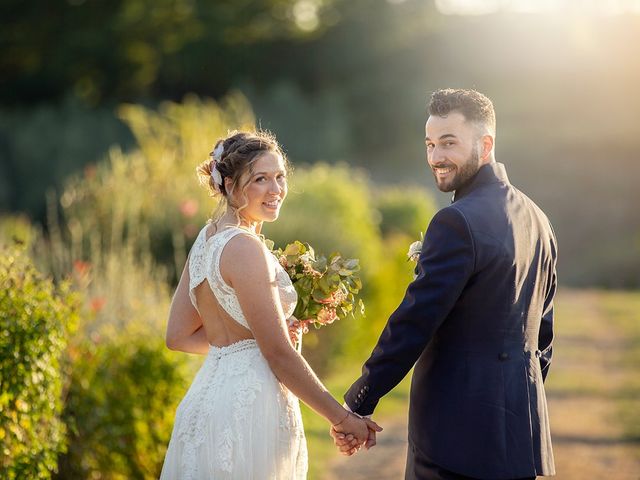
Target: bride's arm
246 266
185 332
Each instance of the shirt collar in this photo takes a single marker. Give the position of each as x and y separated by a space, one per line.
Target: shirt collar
493 172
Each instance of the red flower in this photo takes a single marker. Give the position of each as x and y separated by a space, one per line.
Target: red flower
81 268
97 303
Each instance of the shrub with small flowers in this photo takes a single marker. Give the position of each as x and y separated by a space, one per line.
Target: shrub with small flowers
36 318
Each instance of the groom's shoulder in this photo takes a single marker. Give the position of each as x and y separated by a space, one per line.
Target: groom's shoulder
451 215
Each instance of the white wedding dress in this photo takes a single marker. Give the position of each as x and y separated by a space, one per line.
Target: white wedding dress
236 421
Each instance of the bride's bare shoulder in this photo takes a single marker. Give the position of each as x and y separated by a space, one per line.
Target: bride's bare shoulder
245 252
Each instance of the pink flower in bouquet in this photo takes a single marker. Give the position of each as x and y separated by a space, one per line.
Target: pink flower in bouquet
326 316
309 270
336 298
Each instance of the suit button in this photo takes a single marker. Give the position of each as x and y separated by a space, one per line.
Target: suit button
359 396
538 353
503 356
366 388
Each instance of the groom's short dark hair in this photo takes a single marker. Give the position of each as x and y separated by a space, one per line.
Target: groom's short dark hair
475 107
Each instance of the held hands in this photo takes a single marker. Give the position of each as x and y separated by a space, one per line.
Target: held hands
354 432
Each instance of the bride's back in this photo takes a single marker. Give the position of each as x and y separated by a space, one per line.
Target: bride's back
223 324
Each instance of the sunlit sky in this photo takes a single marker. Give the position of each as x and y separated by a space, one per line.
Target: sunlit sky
305 12
479 7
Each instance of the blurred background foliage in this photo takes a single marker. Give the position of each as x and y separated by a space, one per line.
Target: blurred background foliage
346 81
107 107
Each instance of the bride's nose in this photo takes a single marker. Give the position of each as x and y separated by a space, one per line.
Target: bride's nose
275 187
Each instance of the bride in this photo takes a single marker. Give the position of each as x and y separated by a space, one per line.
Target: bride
240 419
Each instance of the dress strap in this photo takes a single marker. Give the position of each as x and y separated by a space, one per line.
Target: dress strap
197 263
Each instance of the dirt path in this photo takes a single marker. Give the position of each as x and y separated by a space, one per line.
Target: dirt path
587 437
384 461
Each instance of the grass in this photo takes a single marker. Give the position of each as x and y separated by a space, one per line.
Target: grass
623 309
601 327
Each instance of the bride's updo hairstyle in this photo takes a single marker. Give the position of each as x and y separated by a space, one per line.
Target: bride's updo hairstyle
234 157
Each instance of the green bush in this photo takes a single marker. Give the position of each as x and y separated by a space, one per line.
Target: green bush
120 408
405 210
35 319
16 229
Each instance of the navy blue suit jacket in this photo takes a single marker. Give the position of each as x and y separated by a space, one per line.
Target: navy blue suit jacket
477 323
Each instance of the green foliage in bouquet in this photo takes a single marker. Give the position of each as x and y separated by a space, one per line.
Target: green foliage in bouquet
35 320
326 287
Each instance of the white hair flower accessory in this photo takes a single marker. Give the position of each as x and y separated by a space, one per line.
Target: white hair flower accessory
216 155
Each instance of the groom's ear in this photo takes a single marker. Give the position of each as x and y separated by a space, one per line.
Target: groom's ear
486 147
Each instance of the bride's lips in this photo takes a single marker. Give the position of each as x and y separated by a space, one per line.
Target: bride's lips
272 204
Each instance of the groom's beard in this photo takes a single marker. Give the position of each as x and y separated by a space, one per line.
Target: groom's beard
463 175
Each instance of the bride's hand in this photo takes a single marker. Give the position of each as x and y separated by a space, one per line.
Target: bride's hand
354 425
296 329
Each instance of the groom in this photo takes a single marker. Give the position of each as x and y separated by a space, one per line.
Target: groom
477 321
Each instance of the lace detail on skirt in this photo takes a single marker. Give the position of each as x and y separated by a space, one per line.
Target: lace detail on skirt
237 421
196 415
248 387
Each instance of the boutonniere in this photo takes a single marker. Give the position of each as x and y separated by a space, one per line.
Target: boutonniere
414 249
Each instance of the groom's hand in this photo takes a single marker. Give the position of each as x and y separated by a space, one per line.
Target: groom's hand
348 444
373 428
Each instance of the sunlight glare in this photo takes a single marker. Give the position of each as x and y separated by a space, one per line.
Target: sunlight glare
483 7
305 14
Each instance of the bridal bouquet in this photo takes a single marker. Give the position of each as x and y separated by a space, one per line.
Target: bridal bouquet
326 287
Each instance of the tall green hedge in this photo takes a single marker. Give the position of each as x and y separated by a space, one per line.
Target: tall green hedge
35 318
120 408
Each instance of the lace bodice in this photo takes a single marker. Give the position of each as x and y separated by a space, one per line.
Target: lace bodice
204 263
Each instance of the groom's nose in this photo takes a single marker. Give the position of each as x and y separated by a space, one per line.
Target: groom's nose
436 156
